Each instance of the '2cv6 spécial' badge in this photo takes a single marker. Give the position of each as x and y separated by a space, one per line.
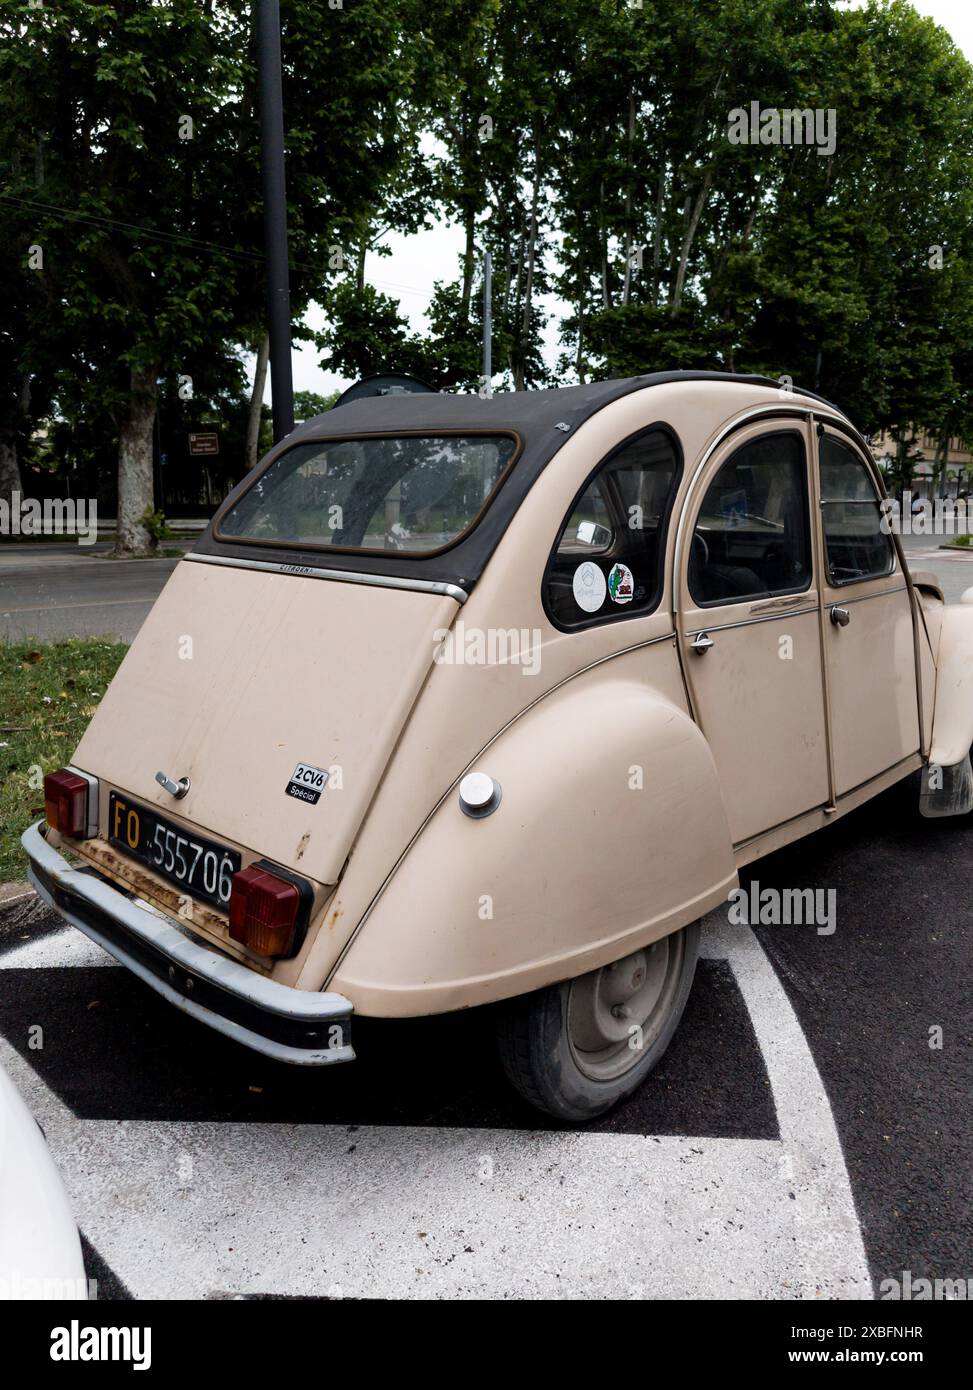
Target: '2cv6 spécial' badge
307 783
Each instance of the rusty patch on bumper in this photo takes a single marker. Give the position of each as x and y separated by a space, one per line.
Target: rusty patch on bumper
211 926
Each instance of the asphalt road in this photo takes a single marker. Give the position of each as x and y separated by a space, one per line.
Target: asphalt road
50 590
198 1170
801 1139
953 568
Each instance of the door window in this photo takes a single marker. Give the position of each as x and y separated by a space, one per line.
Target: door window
752 536
857 543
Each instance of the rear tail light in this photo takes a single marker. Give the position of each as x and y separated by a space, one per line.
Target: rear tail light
269 909
68 798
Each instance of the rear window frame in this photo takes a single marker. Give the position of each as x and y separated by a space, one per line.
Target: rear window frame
297 545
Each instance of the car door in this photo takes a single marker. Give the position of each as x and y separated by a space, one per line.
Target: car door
749 627
869 646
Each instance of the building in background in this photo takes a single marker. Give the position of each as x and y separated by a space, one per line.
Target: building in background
926 450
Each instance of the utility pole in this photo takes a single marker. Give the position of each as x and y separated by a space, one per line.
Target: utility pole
487 322
275 214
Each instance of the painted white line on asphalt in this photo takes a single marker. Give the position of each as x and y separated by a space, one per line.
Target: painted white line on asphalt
826 1220
56 605
928 556
7 899
65 947
190 1209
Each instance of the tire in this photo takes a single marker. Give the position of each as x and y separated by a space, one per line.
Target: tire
570 1051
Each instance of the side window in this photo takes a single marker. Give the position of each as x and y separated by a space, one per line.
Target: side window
752 536
857 544
607 561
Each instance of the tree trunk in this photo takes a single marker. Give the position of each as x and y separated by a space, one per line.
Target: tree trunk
657 234
255 413
579 355
942 457
10 479
905 467
507 278
135 491
9 466
469 254
627 285
520 376
688 240
513 351
748 229
606 302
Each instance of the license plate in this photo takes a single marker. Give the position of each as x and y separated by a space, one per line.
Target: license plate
201 867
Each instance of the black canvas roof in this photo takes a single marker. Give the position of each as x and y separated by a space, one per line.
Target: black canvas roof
537 417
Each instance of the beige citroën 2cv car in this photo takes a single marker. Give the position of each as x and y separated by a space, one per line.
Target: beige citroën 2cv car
465 701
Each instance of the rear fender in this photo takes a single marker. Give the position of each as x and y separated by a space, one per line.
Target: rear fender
610 833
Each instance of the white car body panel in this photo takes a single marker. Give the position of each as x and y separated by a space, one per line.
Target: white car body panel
40 1251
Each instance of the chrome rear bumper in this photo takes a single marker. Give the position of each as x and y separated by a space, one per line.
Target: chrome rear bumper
292 1025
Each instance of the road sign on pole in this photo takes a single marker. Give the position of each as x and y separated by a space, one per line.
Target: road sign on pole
208 444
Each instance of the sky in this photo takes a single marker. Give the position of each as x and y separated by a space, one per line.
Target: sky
416 262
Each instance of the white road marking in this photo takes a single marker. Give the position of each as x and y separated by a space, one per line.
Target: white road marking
190 1210
57 604
66 947
826 1217
8 898
927 556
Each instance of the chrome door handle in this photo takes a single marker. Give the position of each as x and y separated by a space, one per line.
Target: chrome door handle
701 643
840 617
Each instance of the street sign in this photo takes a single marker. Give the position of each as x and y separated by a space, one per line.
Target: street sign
204 443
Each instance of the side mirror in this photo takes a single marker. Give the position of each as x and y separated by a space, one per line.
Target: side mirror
590 533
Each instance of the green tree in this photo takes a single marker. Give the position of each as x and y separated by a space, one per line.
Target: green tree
150 216
128 101
307 404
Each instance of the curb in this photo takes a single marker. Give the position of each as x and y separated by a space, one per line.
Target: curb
14 892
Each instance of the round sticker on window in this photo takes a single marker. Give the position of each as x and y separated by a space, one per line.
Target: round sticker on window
589 587
621 585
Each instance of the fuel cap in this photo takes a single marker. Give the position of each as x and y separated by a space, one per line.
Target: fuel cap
479 795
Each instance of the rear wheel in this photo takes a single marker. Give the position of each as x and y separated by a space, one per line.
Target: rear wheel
575 1049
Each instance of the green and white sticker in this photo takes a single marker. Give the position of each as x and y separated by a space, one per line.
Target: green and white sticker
621 585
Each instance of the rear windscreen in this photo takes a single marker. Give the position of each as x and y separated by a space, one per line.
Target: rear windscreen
405 493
